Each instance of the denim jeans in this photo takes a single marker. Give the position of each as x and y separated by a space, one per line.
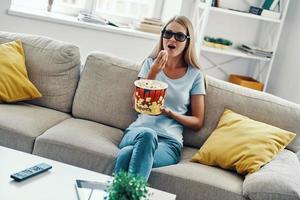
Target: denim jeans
142 149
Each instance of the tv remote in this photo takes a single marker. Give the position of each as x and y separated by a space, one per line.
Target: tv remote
30 172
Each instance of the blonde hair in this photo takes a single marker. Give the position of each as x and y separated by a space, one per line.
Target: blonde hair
190 56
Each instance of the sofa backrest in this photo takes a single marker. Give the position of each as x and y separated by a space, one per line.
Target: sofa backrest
105 89
52 66
106 85
257 105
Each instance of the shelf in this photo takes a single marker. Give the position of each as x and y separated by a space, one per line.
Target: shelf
267 34
233 52
238 13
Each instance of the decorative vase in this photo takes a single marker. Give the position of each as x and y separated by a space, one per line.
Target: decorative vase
49 7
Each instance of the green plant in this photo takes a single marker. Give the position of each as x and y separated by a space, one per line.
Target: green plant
218 40
126 186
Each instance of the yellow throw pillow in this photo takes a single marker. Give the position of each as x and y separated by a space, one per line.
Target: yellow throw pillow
242 144
14 82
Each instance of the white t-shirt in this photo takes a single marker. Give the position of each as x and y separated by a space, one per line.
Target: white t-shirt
177 99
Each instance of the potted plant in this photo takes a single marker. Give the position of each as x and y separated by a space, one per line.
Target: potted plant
126 186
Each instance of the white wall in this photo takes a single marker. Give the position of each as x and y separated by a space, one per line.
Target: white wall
171 8
88 40
285 76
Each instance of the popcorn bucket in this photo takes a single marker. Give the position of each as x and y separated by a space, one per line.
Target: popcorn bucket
149 96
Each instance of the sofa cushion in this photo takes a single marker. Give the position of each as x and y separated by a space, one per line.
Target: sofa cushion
105 91
14 82
21 123
256 105
52 66
279 179
196 181
82 143
242 144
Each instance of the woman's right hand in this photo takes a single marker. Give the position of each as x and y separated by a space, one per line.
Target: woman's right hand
160 62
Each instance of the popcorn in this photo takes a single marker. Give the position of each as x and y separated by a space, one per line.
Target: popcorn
150 84
149 96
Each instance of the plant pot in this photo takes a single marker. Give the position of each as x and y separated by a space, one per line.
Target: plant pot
246 81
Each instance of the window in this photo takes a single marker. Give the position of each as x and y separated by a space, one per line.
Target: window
69 7
31 4
121 11
125 10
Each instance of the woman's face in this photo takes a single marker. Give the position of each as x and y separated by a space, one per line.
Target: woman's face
171 45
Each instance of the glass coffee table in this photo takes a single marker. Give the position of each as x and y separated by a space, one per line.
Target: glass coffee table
57 183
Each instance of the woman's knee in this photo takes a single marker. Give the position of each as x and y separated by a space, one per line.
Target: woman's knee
148 135
164 162
126 151
123 158
166 155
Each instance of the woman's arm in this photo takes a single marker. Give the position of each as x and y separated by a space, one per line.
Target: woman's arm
158 64
195 121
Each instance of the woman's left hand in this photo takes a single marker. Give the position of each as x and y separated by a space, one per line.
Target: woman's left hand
165 111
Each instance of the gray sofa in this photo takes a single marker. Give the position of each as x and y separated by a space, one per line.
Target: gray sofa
80 118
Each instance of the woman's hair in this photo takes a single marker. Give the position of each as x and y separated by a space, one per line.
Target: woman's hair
190 51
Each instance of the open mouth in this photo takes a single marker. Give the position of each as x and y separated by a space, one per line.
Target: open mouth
171 46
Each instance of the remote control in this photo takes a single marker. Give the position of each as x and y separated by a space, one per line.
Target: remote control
32 171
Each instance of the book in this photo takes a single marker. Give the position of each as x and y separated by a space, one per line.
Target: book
151 25
153 21
255 10
266 55
271 14
274 4
270 4
256 50
253 47
213 3
264 13
267 4
91 18
147 27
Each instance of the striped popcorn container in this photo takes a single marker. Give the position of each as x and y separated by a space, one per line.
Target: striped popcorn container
149 96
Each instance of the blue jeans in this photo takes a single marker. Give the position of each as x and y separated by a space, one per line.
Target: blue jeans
142 149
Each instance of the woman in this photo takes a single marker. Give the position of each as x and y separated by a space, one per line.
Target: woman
156 141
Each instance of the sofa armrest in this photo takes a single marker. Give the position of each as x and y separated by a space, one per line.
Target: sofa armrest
279 179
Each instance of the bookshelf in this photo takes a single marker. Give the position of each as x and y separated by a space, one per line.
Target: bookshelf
267 35
233 52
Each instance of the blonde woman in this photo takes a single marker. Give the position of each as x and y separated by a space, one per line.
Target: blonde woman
156 141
